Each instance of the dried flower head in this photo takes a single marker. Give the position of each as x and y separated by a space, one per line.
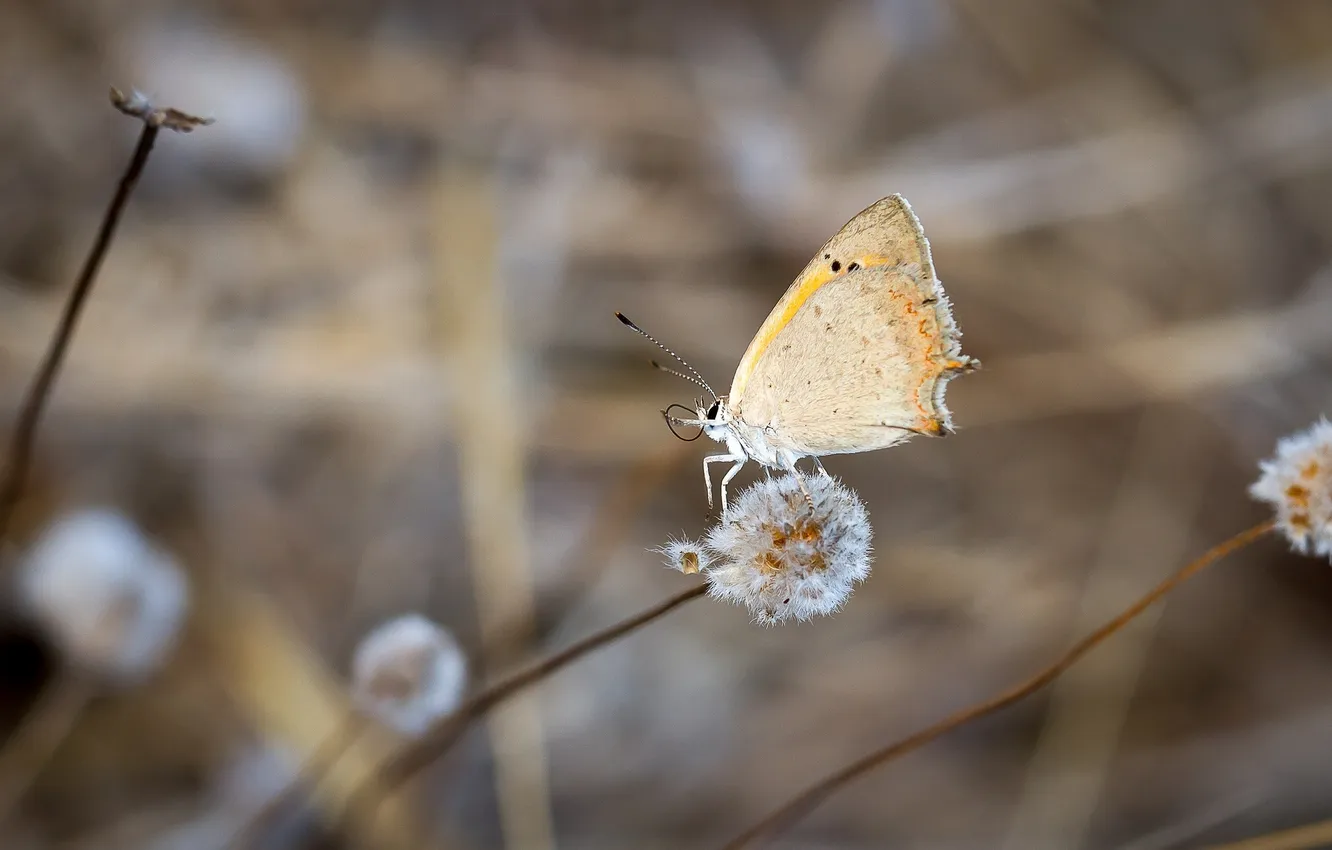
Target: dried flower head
1297 483
687 556
409 672
111 600
784 553
136 105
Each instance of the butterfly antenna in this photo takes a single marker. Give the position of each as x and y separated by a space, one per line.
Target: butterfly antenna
697 378
690 378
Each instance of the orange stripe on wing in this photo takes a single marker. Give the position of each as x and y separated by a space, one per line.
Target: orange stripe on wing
786 309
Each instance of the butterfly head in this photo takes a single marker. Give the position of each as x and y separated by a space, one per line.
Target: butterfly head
715 419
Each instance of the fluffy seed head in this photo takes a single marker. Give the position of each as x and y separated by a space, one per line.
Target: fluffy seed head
1297 483
687 556
782 553
408 673
112 601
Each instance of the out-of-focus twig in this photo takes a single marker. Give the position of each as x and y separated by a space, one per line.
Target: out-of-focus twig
490 439
19 455
800 805
1122 169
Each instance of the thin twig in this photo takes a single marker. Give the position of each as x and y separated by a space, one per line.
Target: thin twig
39 393
439 740
804 802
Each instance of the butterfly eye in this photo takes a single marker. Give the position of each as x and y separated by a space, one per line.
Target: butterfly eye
714 410
670 423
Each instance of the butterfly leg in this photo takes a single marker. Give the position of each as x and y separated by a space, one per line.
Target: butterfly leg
819 464
737 459
792 469
726 479
800 479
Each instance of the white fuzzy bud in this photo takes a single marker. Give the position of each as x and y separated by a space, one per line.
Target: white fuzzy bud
686 556
408 673
112 601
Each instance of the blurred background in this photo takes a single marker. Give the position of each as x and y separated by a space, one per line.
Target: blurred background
353 355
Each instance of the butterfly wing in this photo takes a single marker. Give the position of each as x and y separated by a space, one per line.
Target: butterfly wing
886 233
857 358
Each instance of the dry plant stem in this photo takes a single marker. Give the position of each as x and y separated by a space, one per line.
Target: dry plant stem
439 740
44 729
478 346
34 403
800 805
310 775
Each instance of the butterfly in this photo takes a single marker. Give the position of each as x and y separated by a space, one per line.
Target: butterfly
853 358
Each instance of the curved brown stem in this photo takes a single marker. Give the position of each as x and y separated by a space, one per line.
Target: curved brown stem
39 392
804 802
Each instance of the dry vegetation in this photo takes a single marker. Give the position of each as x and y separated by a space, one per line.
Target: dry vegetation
353 354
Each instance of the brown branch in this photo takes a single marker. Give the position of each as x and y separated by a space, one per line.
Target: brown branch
39 393
439 740
804 802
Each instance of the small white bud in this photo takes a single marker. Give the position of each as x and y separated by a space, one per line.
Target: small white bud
686 556
112 601
409 672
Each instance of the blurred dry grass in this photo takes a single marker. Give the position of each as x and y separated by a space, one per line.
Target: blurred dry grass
1128 203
